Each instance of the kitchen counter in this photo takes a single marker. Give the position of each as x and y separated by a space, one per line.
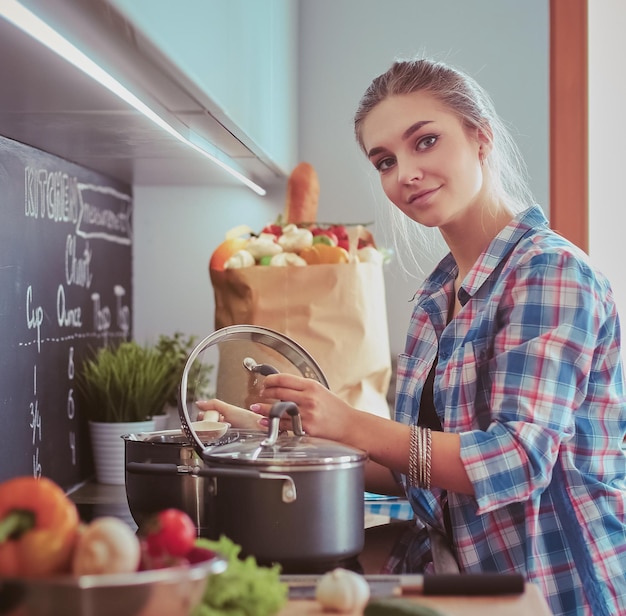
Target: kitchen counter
531 603
95 500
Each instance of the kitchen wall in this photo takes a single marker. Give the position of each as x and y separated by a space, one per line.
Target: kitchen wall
607 134
345 44
342 45
176 229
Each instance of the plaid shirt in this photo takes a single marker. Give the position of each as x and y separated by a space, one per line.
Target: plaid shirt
529 375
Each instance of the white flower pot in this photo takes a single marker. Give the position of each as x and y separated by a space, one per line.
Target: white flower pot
108 448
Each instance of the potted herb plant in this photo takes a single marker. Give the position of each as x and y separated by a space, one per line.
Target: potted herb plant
176 349
123 388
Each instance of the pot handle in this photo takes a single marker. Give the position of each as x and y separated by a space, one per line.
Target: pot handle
160 468
276 412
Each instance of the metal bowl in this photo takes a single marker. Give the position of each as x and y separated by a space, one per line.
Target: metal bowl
158 592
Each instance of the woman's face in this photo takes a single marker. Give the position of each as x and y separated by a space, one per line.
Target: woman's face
428 163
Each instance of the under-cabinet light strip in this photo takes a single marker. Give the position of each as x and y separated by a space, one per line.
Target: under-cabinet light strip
32 25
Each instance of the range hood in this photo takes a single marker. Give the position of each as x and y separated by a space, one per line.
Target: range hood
49 104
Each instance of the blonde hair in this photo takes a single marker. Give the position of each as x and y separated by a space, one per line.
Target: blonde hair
463 96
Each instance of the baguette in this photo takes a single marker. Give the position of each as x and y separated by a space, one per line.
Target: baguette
303 191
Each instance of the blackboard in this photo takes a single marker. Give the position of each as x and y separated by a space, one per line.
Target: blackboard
65 290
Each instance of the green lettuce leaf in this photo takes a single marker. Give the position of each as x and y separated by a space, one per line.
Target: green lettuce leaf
244 589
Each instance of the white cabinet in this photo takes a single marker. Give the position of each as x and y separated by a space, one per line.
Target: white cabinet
238 56
221 74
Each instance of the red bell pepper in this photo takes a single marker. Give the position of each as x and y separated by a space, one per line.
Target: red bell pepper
38 528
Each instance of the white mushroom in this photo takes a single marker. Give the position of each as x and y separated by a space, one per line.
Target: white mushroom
295 238
369 254
106 545
263 245
242 258
285 259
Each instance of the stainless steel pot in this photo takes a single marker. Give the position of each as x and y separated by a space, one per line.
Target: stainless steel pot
286 498
152 491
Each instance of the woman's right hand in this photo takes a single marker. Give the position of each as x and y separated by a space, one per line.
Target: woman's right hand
234 415
322 412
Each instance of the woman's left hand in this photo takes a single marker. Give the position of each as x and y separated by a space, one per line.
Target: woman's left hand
234 415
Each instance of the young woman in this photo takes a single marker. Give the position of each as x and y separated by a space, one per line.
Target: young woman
510 400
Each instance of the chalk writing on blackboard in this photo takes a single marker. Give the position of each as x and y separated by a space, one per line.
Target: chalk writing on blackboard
104 213
65 289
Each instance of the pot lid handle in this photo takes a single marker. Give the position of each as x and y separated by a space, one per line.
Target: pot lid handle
276 412
263 369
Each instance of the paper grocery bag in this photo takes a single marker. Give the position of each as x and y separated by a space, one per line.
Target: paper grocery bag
337 312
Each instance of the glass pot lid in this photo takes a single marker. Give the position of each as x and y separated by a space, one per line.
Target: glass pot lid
231 365
288 452
282 449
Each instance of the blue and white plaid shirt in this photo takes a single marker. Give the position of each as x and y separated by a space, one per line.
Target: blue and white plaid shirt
529 374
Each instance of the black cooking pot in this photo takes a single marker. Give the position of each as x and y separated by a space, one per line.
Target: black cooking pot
171 478
285 498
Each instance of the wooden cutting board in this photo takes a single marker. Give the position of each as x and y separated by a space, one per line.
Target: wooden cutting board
531 603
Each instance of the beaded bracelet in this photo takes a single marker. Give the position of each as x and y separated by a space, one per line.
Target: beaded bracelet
420 446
